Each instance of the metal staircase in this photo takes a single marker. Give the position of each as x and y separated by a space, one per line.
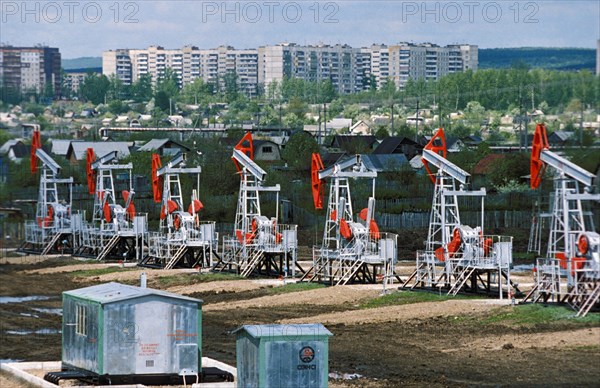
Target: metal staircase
587 304
350 272
176 257
108 247
461 279
50 244
249 266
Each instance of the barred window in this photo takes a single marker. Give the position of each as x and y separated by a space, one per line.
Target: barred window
81 320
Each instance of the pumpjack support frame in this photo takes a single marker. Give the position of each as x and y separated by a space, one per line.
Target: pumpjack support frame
116 232
570 271
457 257
51 230
352 250
259 245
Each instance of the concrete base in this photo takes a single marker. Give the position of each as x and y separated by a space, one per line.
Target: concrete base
21 370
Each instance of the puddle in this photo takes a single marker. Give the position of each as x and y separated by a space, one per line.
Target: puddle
56 311
522 267
28 332
20 299
29 315
344 376
8 360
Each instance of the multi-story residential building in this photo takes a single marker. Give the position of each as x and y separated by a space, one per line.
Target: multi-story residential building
340 64
30 69
74 79
429 61
188 63
378 65
349 69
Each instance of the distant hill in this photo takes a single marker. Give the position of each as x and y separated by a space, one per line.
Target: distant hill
539 57
82 63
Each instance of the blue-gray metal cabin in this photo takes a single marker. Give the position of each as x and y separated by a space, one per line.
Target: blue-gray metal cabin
280 356
116 329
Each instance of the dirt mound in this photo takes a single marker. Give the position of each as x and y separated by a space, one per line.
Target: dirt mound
217 287
70 268
402 312
323 296
557 339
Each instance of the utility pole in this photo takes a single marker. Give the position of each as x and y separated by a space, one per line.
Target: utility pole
319 131
522 141
581 127
392 119
417 123
324 119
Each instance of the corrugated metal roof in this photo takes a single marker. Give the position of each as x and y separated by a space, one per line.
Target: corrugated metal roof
288 331
6 146
61 146
153 144
156 144
384 162
100 148
115 292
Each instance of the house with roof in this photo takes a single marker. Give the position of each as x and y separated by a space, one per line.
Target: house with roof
18 151
383 163
485 166
78 149
338 123
353 144
9 119
316 130
360 128
59 147
472 140
164 147
560 138
266 150
453 144
6 146
398 145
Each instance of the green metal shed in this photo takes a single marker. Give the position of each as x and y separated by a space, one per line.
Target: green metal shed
280 356
115 329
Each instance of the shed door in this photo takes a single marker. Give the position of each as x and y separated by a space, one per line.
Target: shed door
152 350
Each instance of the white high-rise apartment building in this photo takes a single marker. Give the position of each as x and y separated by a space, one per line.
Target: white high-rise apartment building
340 64
188 63
349 69
30 69
428 61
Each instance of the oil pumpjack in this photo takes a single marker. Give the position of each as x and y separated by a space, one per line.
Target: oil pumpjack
570 272
51 231
458 257
353 250
259 244
116 232
184 240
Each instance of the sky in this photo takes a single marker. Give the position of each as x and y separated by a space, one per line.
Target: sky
86 28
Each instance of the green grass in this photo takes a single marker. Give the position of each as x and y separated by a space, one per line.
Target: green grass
408 297
536 314
294 287
99 271
186 279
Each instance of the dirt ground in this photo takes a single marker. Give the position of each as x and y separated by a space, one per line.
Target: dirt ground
439 343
